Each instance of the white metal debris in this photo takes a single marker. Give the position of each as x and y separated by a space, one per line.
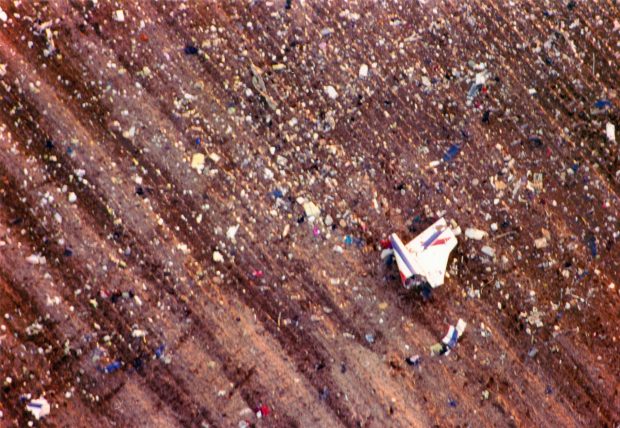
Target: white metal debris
39 408
475 234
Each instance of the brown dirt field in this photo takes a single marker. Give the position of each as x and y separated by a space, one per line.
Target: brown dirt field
99 122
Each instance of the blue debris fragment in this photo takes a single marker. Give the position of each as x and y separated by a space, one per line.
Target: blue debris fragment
452 339
582 275
426 291
159 352
277 193
348 240
451 153
197 141
191 49
591 242
602 104
535 140
473 90
452 402
112 367
137 363
548 390
324 394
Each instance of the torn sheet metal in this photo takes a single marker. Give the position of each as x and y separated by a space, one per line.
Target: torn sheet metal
39 408
450 340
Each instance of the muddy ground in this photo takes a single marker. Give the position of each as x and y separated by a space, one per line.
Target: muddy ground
146 285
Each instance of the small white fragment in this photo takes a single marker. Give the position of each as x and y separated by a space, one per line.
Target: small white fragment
130 133
198 161
363 71
386 253
426 81
36 259
34 329
118 15
460 327
268 174
610 130
488 251
540 243
476 234
3 15
138 333
232 232
218 257
331 92
72 197
311 209
39 408
214 157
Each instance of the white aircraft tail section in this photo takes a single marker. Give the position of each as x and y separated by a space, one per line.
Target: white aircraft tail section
427 254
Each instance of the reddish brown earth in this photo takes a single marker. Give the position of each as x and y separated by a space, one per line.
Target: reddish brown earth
110 111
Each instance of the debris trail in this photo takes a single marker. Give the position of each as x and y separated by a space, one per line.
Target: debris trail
196 200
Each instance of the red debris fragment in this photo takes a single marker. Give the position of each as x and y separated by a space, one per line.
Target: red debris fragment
257 273
385 244
263 411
